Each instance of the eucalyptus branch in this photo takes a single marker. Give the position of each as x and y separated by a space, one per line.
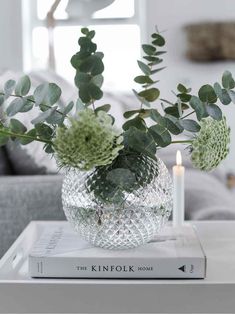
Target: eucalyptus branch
18 135
33 101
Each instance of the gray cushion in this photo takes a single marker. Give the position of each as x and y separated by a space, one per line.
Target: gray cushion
27 198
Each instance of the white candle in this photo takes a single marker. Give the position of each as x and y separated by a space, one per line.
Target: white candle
178 191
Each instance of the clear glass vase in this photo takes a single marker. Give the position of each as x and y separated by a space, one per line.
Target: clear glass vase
119 217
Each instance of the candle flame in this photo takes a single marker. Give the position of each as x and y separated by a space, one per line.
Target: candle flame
178 158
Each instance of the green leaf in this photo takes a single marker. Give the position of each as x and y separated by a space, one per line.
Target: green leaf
222 94
28 105
197 105
227 80
9 87
190 125
150 94
47 93
15 106
144 68
88 92
161 135
55 118
157 70
130 113
143 79
182 89
207 94
3 139
173 125
214 111
17 127
81 78
184 97
98 80
137 122
92 65
79 105
68 108
172 110
25 141
140 141
105 108
85 30
2 99
23 86
121 177
156 60
48 149
157 117
149 49
91 34
158 40
44 131
232 95
76 61
141 99
44 115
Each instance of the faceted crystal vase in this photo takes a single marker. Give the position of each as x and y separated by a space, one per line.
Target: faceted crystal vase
113 213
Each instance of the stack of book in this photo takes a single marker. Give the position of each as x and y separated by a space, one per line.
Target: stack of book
175 253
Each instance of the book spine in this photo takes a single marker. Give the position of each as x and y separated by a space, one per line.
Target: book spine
50 267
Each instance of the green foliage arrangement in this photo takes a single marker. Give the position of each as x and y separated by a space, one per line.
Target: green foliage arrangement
87 138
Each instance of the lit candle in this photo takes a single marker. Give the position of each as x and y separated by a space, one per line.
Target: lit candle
178 191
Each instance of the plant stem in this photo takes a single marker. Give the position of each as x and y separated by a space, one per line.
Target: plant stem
24 136
188 114
184 141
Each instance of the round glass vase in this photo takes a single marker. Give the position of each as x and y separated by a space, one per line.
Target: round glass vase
112 213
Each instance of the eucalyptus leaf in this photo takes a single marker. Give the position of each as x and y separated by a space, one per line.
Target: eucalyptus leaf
144 67
161 135
190 125
25 141
150 94
137 122
98 80
15 106
48 148
47 93
92 65
9 87
28 105
214 111
227 80
79 105
157 117
232 95
143 79
173 124
222 94
44 115
182 89
198 106
44 131
105 108
140 141
158 40
68 108
121 177
130 113
17 127
23 86
157 70
149 49
207 94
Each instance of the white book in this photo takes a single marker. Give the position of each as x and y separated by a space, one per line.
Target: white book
61 253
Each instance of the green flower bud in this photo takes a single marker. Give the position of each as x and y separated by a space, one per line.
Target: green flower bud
210 146
89 141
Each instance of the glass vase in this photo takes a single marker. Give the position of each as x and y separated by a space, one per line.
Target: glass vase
119 216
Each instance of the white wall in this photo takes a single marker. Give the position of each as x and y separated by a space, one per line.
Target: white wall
11 35
171 16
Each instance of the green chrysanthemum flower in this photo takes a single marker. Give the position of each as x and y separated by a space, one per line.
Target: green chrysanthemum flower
90 141
210 146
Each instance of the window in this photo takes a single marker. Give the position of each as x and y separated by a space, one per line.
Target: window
117 35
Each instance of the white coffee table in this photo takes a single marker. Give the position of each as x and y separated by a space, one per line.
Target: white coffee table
215 294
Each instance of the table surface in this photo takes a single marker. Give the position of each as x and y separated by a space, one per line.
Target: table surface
216 294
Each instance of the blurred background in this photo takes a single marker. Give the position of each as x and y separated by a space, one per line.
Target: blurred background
42 35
